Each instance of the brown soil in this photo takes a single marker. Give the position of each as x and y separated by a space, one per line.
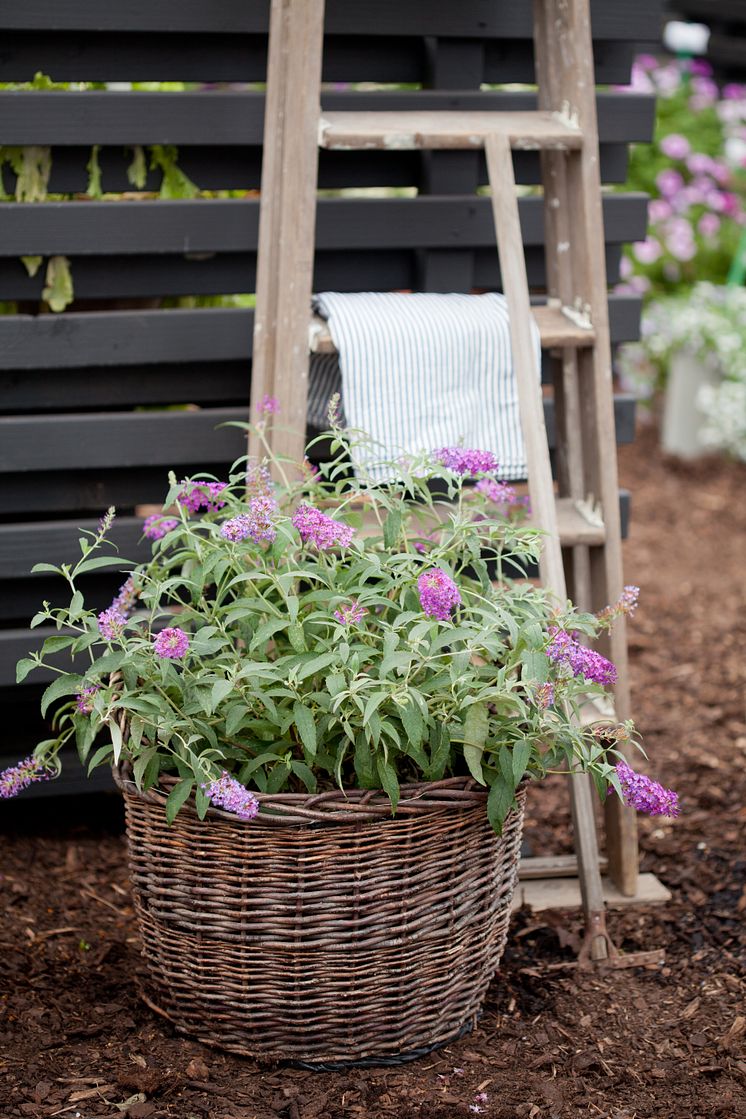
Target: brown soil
553 1041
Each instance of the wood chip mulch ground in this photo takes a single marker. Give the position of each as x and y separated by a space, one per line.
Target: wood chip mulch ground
553 1042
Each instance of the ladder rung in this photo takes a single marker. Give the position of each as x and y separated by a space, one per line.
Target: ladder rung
577 525
573 527
529 129
555 328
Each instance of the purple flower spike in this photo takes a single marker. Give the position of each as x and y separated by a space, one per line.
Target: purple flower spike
171 643
111 622
464 461
349 613
563 649
83 705
126 598
544 695
268 405
227 793
196 496
438 594
19 777
317 528
156 526
646 795
237 528
498 492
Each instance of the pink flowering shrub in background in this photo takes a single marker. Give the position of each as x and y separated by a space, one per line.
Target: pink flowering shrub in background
695 174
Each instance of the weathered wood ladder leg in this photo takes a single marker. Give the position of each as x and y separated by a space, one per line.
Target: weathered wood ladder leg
541 488
576 276
288 219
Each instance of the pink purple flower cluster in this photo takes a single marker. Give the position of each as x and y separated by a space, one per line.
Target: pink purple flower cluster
196 496
268 405
258 523
461 460
317 528
349 613
171 643
438 594
83 703
564 649
646 795
227 793
19 777
258 480
126 597
625 604
111 622
156 526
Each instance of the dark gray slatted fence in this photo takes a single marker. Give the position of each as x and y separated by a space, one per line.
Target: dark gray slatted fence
84 393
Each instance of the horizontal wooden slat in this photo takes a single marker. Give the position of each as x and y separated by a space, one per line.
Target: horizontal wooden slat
128 56
224 168
23 545
29 444
173 339
221 117
231 224
470 18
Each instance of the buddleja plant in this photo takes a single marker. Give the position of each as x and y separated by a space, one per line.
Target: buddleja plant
315 631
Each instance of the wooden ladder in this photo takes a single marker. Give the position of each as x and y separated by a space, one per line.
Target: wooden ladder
582 553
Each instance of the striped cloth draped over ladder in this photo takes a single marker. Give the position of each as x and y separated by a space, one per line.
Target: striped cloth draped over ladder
420 371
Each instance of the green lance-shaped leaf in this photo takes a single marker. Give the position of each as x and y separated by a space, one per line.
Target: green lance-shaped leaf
476 726
389 780
304 721
177 798
499 800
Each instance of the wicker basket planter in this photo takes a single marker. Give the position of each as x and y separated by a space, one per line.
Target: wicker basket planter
324 931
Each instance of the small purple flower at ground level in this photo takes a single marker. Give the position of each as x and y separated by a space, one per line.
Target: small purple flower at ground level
438 594
563 649
83 703
19 777
462 460
349 613
111 622
156 526
646 795
317 528
268 405
195 496
171 643
227 793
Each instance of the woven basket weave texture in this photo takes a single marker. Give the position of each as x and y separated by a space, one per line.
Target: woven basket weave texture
323 941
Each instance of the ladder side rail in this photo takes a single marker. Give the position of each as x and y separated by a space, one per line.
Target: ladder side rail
564 54
541 488
288 218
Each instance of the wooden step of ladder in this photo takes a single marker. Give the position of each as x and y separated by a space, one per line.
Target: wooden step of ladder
564 130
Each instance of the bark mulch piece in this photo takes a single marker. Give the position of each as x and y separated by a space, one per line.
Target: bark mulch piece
553 1042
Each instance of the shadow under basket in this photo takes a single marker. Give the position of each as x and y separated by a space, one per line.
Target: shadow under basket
324 931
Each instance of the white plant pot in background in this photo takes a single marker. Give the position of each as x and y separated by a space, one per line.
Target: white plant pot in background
683 420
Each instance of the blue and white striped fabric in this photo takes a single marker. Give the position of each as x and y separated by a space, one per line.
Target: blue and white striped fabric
421 371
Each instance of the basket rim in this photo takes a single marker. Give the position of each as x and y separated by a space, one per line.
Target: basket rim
348 805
